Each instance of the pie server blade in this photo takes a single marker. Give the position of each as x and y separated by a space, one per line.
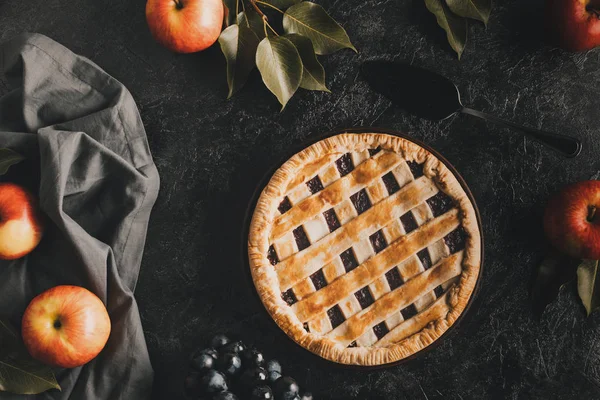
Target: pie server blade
432 96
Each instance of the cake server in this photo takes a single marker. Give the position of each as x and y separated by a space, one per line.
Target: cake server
434 97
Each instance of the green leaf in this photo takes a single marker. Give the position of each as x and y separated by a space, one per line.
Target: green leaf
313 74
282 4
19 372
252 20
238 44
554 271
455 27
588 285
280 66
8 158
474 9
231 10
311 20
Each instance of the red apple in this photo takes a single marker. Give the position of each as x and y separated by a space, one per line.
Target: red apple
574 23
572 220
185 26
66 326
20 222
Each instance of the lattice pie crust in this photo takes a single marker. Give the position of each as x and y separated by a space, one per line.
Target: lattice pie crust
364 248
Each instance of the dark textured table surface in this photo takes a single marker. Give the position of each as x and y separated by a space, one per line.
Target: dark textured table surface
211 153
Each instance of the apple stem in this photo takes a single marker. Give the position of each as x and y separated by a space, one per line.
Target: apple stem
591 213
178 4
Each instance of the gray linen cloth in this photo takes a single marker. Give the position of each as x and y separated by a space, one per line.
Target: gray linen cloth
89 162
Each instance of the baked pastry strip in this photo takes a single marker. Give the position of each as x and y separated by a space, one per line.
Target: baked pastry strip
376 266
306 262
403 296
343 188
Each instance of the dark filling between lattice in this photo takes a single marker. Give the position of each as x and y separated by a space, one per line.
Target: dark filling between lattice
332 220
285 205
289 297
415 168
440 204
394 279
380 330
409 312
364 297
372 152
409 222
353 344
378 241
318 279
272 255
306 328
390 182
349 260
361 201
439 291
335 316
344 164
425 258
455 240
315 185
301 238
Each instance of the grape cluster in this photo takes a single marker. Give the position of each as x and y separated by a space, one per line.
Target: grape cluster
228 370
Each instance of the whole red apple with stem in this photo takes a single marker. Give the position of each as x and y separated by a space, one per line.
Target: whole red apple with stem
20 222
185 26
575 24
66 326
572 220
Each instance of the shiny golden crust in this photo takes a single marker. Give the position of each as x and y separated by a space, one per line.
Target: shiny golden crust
406 337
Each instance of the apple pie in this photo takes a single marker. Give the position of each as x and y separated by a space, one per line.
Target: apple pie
364 248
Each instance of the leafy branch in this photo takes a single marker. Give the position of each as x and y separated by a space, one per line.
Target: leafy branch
286 61
453 16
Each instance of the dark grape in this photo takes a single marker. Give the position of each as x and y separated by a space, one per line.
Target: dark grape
262 392
253 377
285 385
234 347
203 362
290 396
229 363
225 396
219 341
273 376
210 351
253 358
273 365
306 396
213 382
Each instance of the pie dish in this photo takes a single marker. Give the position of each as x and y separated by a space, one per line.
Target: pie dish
364 248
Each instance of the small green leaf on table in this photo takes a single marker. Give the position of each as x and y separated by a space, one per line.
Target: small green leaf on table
238 44
588 285
474 9
313 75
280 67
554 271
19 372
311 20
8 158
455 26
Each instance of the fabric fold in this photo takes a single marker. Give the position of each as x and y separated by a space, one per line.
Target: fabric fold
89 163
